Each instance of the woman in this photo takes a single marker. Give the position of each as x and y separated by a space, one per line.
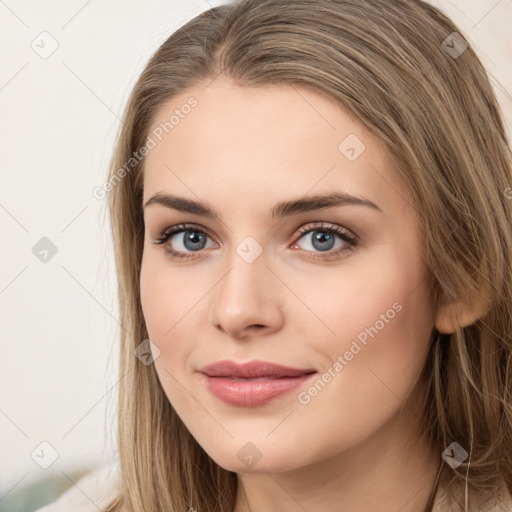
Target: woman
310 204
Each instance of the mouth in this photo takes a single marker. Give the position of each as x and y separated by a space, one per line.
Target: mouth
252 384
253 370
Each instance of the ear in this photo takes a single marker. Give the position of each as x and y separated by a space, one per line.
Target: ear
458 314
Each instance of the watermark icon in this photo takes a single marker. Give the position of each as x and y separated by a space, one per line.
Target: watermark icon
508 192
45 45
44 455
44 250
455 455
454 45
157 134
249 454
249 249
147 352
304 397
352 147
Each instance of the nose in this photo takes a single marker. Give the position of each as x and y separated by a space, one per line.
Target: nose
246 300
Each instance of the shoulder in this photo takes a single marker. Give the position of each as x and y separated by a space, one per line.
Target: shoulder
91 492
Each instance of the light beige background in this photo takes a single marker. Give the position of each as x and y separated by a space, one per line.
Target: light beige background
59 117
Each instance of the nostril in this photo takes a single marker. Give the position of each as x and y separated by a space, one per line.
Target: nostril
256 327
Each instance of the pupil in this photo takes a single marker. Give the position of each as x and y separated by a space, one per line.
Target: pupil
192 239
319 239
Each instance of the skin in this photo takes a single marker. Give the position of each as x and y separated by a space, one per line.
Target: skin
242 150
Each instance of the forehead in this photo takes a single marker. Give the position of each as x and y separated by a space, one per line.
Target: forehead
265 141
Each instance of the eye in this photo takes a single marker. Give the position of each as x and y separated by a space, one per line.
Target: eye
325 240
322 238
185 237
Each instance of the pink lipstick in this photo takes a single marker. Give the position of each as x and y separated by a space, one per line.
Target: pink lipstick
253 383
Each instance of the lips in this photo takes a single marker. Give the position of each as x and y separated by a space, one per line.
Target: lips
252 384
252 370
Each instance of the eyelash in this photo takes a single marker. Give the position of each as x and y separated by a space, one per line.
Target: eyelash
350 240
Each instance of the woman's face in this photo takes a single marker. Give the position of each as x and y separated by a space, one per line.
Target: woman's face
352 306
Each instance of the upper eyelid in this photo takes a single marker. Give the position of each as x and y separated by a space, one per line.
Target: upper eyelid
180 228
302 230
327 226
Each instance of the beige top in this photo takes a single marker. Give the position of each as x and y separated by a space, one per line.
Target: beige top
98 487
89 494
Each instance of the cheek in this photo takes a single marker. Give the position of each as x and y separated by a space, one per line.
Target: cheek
172 301
156 303
381 322
381 318
372 290
166 296
166 299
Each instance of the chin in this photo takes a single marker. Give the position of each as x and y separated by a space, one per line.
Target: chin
247 457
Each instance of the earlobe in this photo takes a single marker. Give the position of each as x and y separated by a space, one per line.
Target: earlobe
456 315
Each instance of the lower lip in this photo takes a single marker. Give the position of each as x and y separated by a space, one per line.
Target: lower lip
252 392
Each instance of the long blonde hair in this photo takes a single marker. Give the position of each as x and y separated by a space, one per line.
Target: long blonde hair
398 67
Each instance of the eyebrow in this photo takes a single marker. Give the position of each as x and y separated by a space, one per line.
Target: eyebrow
280 210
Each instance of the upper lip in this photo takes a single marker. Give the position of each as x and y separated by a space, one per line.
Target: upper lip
252 369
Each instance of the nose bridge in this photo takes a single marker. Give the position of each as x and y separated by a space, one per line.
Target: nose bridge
244 295
245 279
